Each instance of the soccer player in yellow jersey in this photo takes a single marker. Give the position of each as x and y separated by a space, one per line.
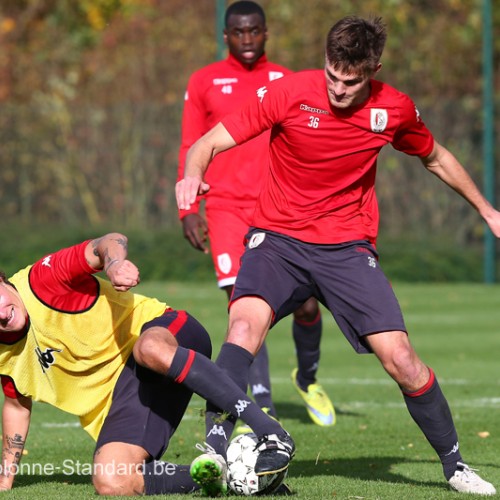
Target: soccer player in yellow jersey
125 364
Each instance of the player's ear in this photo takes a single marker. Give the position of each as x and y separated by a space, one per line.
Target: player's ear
377 69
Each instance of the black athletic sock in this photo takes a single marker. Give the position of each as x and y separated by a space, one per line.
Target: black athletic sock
260 381
212 383
307 338
162 478
430 410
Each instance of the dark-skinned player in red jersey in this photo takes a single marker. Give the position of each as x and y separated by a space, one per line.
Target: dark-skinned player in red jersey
235 178
316 221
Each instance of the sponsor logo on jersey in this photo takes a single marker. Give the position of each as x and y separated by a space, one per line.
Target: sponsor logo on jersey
224 81
224 263
417 114
305 107
46 261
261 93
378 119
275 75
45 358
256 240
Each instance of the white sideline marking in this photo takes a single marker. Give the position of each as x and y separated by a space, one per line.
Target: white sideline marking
463 403
60 424
364 381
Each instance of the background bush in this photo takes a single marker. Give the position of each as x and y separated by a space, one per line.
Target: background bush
164 254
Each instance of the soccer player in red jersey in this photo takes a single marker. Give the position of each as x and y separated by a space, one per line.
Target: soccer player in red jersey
125 364
316 222
236 178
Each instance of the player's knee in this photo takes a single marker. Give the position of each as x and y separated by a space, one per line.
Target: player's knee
113 485
154 349
402 365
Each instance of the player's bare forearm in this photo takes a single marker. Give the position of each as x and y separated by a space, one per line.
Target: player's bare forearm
16 416
110 254
105 251
446 167
199 156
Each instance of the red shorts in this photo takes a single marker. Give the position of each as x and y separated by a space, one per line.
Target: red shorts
226 231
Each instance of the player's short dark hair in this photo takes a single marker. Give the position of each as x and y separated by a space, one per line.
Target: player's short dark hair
244 8
3 278
355 45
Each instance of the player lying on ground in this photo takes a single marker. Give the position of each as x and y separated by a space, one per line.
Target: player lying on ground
115 359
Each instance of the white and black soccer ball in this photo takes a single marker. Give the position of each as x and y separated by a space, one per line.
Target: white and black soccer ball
241 477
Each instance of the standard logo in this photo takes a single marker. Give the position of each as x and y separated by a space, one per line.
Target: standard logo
275 75
224 263
256 240
378 119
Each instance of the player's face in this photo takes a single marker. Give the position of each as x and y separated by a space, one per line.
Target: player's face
246 37
12 310
345 89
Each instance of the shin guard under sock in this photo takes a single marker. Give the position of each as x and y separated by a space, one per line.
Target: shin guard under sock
162 478
307 338
214 384
429 409
260 382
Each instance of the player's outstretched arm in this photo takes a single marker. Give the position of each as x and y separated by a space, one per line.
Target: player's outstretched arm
16 417
444 165
199 156
109 253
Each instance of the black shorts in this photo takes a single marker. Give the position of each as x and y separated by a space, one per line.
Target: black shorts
147 407
346 278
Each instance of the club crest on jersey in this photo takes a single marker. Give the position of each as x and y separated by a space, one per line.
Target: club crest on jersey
256 240
378 119
274 75
224 263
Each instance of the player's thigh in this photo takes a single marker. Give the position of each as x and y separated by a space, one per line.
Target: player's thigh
357 292
226 231
274 268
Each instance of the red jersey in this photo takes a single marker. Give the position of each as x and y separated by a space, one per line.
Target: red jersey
322 163
213 92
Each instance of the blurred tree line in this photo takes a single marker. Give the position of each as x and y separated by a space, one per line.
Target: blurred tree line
91 96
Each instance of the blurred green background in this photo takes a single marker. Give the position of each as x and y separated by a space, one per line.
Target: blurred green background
91 96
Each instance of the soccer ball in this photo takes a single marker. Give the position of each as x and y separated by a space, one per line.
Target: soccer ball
241 477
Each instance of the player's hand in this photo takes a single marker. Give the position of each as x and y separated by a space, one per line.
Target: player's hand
493 221
187 189
195 231
123 274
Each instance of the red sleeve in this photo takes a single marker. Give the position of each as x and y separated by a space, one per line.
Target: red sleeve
261 112
9 388
413 137
63 279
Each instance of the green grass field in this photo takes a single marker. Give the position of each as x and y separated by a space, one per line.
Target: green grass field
375 451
